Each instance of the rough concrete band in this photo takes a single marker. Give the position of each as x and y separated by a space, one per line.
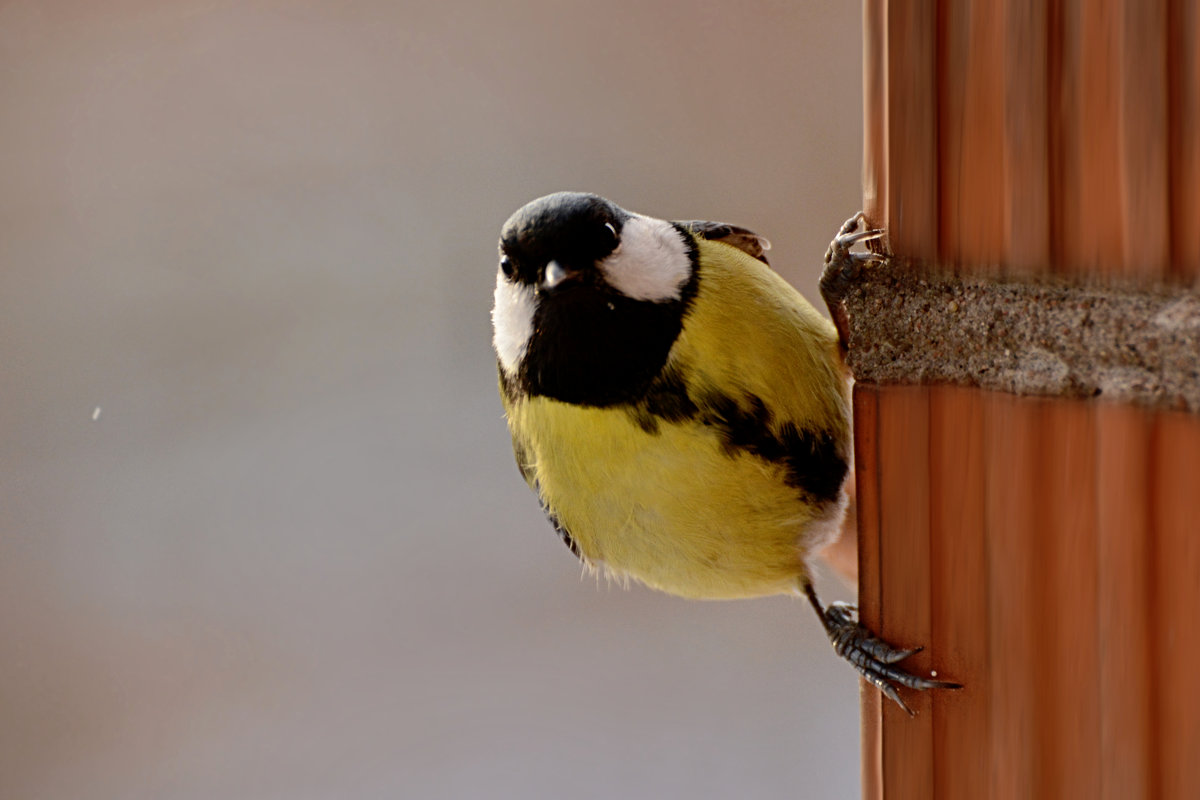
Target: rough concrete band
913 324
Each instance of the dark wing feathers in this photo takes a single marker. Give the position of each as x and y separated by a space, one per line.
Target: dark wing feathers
747 241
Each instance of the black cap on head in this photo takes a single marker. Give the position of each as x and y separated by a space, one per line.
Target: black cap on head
575 229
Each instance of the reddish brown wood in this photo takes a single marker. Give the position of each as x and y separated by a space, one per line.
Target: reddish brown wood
866 465
958 597
904 570
971 132
1175 644
1183 28
1011 504
994 196
953 42
911 128
1110 137
1045 549
1144 139
1036 137
1063 132
1057 581
1026 137
875 166
1068 682
1091 143
1124 545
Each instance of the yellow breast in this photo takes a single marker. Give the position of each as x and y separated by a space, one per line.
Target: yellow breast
674 509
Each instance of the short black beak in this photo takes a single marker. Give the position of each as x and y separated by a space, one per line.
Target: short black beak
555 274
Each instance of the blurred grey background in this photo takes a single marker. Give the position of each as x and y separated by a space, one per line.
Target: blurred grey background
292 557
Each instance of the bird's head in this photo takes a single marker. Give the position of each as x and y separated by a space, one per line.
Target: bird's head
589 297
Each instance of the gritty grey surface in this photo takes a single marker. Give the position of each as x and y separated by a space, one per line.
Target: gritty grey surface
910 323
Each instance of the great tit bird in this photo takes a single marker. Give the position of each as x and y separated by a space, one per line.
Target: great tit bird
682 412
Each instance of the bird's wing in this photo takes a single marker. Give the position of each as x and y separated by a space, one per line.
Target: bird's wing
747 241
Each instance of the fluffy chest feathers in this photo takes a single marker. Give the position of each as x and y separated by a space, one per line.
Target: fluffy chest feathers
718 476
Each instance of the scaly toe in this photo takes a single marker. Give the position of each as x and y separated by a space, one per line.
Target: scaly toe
871 656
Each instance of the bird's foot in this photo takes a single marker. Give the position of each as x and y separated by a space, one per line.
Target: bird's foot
842 265
871 656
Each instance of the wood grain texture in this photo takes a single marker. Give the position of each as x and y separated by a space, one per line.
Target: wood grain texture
972 158
958 592
1175 641
953 43
1183 60
1067 636
1062 127
1026 137
1011 504
1091 145
1144 140
1046 550
911 129
1031 137
866 473
875 110
904 571
1124 544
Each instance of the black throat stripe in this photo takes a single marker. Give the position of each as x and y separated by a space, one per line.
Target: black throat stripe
593 346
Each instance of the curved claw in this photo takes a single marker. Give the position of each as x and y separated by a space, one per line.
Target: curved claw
871 656
847 236
847 240
880 682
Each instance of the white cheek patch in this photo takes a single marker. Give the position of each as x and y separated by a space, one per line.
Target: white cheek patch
651 262
512 321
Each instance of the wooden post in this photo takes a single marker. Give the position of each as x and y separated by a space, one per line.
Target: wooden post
1046 549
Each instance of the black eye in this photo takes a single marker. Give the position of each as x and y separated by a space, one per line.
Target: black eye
506 266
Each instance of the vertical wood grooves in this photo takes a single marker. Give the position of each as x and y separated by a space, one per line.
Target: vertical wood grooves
1026 136
1175 502
867 472
1036 137
959 610
1144 142
1046 553
1183 75
1123 538
1094 224
1045 550
1010 521
911 128
905 603
1060 130
875 165
1070 689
